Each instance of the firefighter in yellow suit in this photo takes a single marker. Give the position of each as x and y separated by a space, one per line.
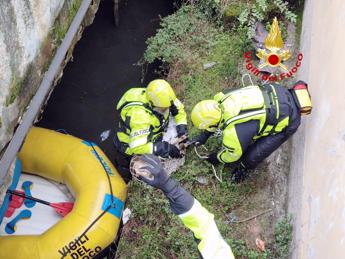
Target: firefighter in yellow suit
254 121
145 115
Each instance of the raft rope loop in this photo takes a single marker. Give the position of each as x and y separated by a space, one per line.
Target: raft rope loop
111 193
105 170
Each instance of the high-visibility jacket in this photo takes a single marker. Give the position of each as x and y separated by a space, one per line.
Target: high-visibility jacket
243 105
140 126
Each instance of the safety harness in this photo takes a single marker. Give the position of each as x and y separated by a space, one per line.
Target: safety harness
270 109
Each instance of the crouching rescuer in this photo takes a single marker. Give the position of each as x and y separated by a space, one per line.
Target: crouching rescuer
144 117
194 216
254 121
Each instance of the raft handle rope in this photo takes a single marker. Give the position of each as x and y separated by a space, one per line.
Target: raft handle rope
105 170
220 177
111 194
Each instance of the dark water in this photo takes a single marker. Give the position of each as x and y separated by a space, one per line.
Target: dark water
84 102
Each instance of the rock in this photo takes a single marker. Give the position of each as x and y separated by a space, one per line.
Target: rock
202 180
209 65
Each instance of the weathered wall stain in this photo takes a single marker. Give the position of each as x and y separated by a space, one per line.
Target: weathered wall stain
24 26
30 32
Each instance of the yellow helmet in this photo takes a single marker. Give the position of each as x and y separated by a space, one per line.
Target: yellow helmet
206 115
160 93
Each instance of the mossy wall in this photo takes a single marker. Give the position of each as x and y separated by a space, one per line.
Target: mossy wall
30 33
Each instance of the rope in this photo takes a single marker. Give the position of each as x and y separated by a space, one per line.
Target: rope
250 78
105 170
200 156
95 221
111 196
220 177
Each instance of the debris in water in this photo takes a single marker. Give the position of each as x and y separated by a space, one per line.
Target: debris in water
104 135
126 215
202 180
209 65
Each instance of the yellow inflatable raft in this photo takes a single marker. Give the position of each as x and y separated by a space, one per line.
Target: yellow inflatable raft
99 194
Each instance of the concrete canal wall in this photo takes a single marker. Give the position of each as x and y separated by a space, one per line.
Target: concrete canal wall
30 32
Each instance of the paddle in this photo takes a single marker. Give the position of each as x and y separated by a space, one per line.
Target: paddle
62 208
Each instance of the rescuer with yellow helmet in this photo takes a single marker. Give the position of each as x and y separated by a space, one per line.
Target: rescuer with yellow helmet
144 116
254 122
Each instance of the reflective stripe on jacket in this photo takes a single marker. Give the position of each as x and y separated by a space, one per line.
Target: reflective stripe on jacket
252 103
140 126
202 224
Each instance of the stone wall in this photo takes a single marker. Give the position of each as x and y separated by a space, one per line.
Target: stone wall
30 32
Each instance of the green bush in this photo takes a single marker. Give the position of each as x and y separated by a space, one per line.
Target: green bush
170 42
212 9
283 237
264 11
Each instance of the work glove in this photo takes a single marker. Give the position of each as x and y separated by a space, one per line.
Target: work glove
213 159
151 171
239 173
182 130
201 138
173 109
164 149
